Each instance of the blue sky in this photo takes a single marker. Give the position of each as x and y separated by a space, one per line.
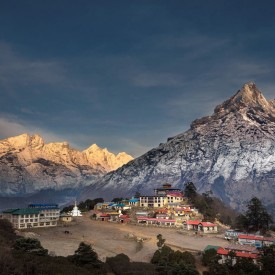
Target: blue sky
127 75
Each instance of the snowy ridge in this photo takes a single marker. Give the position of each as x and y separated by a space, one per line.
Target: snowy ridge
231 153
28 164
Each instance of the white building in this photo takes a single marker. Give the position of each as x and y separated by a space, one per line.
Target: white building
75 212
36 215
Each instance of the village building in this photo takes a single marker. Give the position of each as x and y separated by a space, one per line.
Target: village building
134 202
162 191
205 227
36 215
232 234
104 217
255 240
113 216
66 218
142 214
174 197
240 251
124 219
163 196
103 205
162 216
98 206
155 221
152 201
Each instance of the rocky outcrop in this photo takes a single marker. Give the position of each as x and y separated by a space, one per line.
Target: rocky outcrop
28 165
231 153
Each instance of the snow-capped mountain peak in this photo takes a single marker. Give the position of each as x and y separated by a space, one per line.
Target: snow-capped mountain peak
27 164
231 152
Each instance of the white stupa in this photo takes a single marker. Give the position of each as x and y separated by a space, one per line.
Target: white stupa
75 212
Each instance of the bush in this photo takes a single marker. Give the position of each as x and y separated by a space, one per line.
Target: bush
208 256
30 245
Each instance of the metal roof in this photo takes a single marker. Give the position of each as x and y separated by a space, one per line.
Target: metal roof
22 211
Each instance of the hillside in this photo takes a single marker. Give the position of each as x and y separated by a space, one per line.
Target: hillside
231 153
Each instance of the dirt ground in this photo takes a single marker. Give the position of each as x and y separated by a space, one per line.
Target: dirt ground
109 239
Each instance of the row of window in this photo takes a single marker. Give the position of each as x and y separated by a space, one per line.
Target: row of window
28 225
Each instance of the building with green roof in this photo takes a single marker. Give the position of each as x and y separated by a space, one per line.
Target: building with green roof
22 218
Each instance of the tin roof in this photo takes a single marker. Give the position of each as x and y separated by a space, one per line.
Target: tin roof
256 238
22 211
222 251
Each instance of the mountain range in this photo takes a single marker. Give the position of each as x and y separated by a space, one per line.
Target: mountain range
28 165
231 153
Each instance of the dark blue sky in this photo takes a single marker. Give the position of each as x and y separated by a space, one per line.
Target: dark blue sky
127 74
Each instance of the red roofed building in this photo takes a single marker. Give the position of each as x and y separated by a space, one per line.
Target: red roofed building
104 217
155 221
205 227
255 240
124 219
225 255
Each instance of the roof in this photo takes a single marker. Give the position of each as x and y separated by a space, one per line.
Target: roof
43 205
120 205
22 211
162 214
208 224
193 222
174 194
202 223
154 219
250 237
256 238
65 215
134 200
104 215
242 247
222 251
211 247
9 211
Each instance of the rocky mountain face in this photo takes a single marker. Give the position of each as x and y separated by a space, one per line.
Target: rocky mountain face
28 165
231 153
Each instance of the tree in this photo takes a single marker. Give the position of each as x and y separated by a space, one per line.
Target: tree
160 242
209 256
85 255
268 260
241 222
256 215
30 245
190 190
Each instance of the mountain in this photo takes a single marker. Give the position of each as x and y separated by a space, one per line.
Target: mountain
231 153
28 165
